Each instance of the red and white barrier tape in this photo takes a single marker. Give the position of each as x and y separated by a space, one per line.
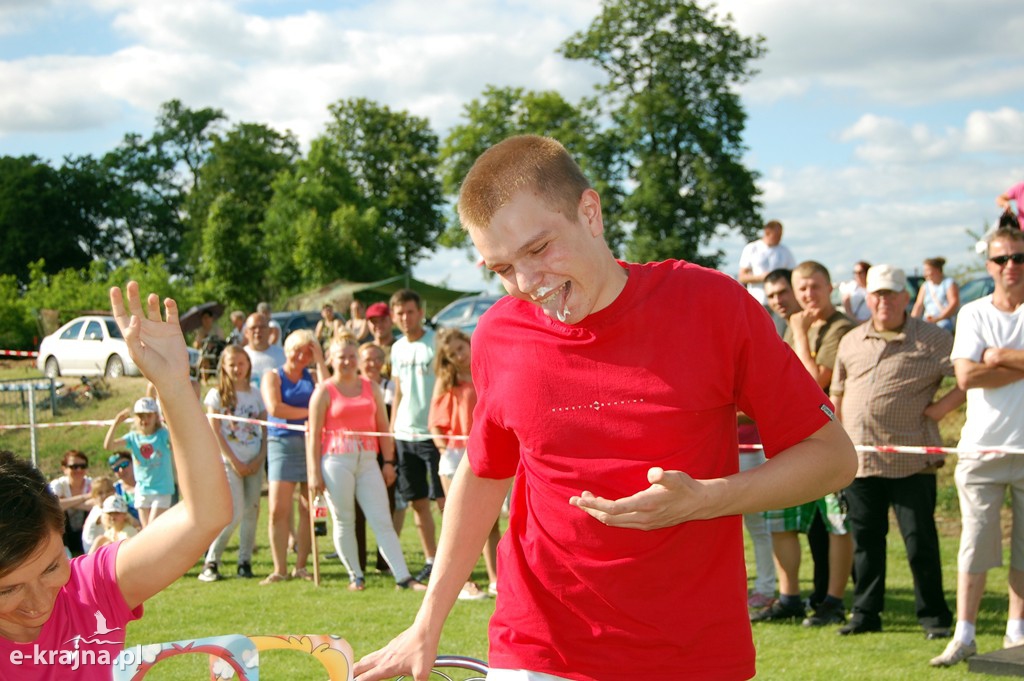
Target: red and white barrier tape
903 449
354 433
883 449
19 353
62 424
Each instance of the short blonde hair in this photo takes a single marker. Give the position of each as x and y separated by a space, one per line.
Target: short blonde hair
297 339
809 268
342 339
540 164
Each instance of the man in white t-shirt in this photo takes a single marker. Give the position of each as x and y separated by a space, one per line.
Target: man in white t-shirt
761 257
988 357
264 356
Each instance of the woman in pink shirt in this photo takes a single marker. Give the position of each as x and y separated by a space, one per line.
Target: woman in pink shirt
63 618
345 413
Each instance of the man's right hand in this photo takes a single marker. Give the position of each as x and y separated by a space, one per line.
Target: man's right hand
802 321
411 652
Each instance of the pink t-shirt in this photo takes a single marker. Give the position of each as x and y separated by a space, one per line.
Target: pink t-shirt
654 379
84 635
350 414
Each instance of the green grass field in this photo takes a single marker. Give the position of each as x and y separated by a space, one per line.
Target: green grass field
190 608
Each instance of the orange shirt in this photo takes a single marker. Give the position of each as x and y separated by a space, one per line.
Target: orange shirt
452 413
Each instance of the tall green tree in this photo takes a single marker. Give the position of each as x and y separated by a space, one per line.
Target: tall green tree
38 218
229 205
672 68
89 192
392 158
153 176
315 232
144 216
505 111
364 204
186 136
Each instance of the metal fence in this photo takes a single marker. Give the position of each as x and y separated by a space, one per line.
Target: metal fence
22 399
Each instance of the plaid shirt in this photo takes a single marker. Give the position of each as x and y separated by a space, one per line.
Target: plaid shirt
885 387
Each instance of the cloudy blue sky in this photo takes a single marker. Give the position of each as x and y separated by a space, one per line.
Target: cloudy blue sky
882 130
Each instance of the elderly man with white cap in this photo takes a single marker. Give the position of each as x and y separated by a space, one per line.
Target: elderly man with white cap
884 384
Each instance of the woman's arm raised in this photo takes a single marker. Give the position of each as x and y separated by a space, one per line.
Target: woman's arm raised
175 540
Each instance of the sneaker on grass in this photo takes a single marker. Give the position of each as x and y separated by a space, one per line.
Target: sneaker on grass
424 574
245 570
825 614
471 592
210 573
955 653
779 613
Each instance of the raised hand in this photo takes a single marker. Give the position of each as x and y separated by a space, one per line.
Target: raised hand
155 345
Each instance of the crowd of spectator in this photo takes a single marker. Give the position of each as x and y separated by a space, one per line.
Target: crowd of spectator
378 422
882 360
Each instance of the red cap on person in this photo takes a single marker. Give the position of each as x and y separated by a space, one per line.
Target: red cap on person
378 310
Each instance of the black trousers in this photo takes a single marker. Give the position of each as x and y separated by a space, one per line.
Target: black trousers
913 502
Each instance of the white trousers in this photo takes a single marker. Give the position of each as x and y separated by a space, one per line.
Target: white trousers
351 477
245 511
757 527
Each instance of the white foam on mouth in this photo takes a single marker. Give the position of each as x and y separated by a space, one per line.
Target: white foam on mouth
550 298
543 292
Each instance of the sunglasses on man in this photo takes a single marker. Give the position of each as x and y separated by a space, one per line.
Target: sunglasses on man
76 466
1001 260
120 467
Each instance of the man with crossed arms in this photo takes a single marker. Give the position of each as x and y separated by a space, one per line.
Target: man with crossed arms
988 356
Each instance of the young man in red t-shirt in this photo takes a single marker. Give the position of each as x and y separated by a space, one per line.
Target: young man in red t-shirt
608 391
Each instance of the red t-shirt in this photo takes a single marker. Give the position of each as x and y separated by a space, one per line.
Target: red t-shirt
84 635
654 379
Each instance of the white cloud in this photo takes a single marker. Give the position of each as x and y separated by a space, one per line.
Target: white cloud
53 93
428 58
918 177
888 140
1001 131
911 51
15 15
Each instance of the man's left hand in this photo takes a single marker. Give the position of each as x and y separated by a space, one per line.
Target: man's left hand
673 498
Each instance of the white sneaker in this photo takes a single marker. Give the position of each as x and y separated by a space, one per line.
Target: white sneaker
471 592
492 589
210 573
955 653
1010 643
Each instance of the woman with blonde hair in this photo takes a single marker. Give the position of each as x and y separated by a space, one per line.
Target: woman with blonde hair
342 460
92 529
286 392
243 447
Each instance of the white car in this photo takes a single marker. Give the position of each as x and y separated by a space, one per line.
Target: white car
90 346
464 313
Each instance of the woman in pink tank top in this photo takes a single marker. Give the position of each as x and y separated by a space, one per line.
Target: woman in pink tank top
346 419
